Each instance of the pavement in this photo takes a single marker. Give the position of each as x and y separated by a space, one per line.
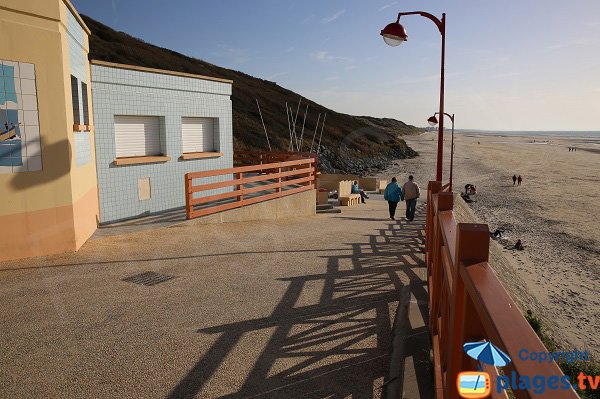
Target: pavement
328 306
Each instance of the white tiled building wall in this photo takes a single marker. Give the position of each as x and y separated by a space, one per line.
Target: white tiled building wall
125 92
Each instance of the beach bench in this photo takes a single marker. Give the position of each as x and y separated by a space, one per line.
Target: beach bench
352 199
345 194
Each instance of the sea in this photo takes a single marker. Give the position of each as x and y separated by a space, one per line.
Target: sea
530 133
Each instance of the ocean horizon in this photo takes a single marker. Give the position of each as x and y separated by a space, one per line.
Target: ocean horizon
529 133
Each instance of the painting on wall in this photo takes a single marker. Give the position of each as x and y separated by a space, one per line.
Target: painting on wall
20 149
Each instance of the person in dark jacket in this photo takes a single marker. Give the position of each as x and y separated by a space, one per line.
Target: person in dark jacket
514 179
393 194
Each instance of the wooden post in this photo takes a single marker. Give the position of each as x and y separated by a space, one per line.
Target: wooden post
188 197
278 188
239 176
472 246
445 202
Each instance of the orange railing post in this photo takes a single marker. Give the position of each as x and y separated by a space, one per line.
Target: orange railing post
188 196
472 246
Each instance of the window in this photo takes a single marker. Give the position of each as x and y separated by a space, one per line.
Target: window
75 100
137 136
198 134
84 100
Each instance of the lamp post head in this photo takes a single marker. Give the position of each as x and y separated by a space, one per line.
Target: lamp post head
432 121
394 34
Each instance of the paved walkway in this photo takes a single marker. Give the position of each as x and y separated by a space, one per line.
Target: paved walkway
326 306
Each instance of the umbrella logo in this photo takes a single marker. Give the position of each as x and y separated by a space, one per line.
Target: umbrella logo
487 353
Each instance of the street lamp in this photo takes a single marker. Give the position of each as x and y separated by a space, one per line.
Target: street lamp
432 122
394 35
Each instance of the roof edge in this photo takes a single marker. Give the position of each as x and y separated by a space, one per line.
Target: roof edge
160 71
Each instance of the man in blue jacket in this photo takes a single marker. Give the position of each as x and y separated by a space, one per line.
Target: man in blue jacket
393 194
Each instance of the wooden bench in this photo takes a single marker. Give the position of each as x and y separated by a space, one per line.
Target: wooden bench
352 199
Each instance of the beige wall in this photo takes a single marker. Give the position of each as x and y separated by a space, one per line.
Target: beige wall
54 209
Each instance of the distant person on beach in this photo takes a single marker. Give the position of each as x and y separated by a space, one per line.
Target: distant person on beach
519 245
393 194
519 180
514 179
357 190
411 193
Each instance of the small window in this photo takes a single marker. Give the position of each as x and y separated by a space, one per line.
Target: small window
137 136
84 101
198 134
75 100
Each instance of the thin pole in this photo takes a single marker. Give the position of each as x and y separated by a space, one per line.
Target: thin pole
303 123
287 112
263 123
295 119
452 153
321 136
440 149
315 134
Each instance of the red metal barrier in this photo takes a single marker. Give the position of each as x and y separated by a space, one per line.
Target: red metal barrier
468 303
267 181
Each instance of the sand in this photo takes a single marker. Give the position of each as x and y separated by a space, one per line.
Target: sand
554 212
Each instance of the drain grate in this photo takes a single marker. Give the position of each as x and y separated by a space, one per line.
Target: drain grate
148 278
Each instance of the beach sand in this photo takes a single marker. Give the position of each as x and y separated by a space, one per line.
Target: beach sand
554 212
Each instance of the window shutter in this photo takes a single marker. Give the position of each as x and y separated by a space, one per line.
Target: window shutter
197 135
137 136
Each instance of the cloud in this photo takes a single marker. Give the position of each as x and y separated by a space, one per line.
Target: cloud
333 17
332 78
276 75
235 56
351 67
388 6
324 56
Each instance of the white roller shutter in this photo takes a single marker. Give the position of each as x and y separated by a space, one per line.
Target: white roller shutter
198 134
137 136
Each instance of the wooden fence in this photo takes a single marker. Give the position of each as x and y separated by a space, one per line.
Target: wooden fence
246 185
468 303
243 158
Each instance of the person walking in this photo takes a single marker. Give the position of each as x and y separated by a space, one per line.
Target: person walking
514 179
411 193
519 180
393 194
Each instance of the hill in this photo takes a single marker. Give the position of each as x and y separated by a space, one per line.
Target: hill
354 144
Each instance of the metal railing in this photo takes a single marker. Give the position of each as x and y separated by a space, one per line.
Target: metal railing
246 185
468 303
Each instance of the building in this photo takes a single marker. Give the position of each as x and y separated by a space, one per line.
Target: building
62 173
152 127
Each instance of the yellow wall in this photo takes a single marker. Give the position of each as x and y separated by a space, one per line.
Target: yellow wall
55 209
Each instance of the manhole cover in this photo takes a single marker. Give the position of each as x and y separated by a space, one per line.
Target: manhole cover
148 278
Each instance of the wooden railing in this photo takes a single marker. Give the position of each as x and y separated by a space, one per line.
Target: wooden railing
246 185
243 158
468 303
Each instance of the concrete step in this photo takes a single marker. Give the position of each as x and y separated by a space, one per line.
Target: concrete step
324 206
332 210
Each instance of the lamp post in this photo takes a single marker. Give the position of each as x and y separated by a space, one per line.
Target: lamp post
433 121
394 35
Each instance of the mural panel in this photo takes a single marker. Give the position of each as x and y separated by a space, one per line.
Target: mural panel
20 149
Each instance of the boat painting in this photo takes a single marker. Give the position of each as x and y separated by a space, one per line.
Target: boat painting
19 121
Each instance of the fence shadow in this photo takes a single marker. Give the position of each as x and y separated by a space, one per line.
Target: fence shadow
341 346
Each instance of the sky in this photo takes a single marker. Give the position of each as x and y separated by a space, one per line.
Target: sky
510 65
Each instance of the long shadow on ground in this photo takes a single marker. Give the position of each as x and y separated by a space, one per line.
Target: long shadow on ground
341 346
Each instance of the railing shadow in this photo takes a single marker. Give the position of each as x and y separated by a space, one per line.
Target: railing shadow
342 345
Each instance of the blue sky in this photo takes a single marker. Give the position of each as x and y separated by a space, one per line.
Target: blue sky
518 65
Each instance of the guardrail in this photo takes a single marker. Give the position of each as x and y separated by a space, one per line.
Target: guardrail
468 303
243 158
246 185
